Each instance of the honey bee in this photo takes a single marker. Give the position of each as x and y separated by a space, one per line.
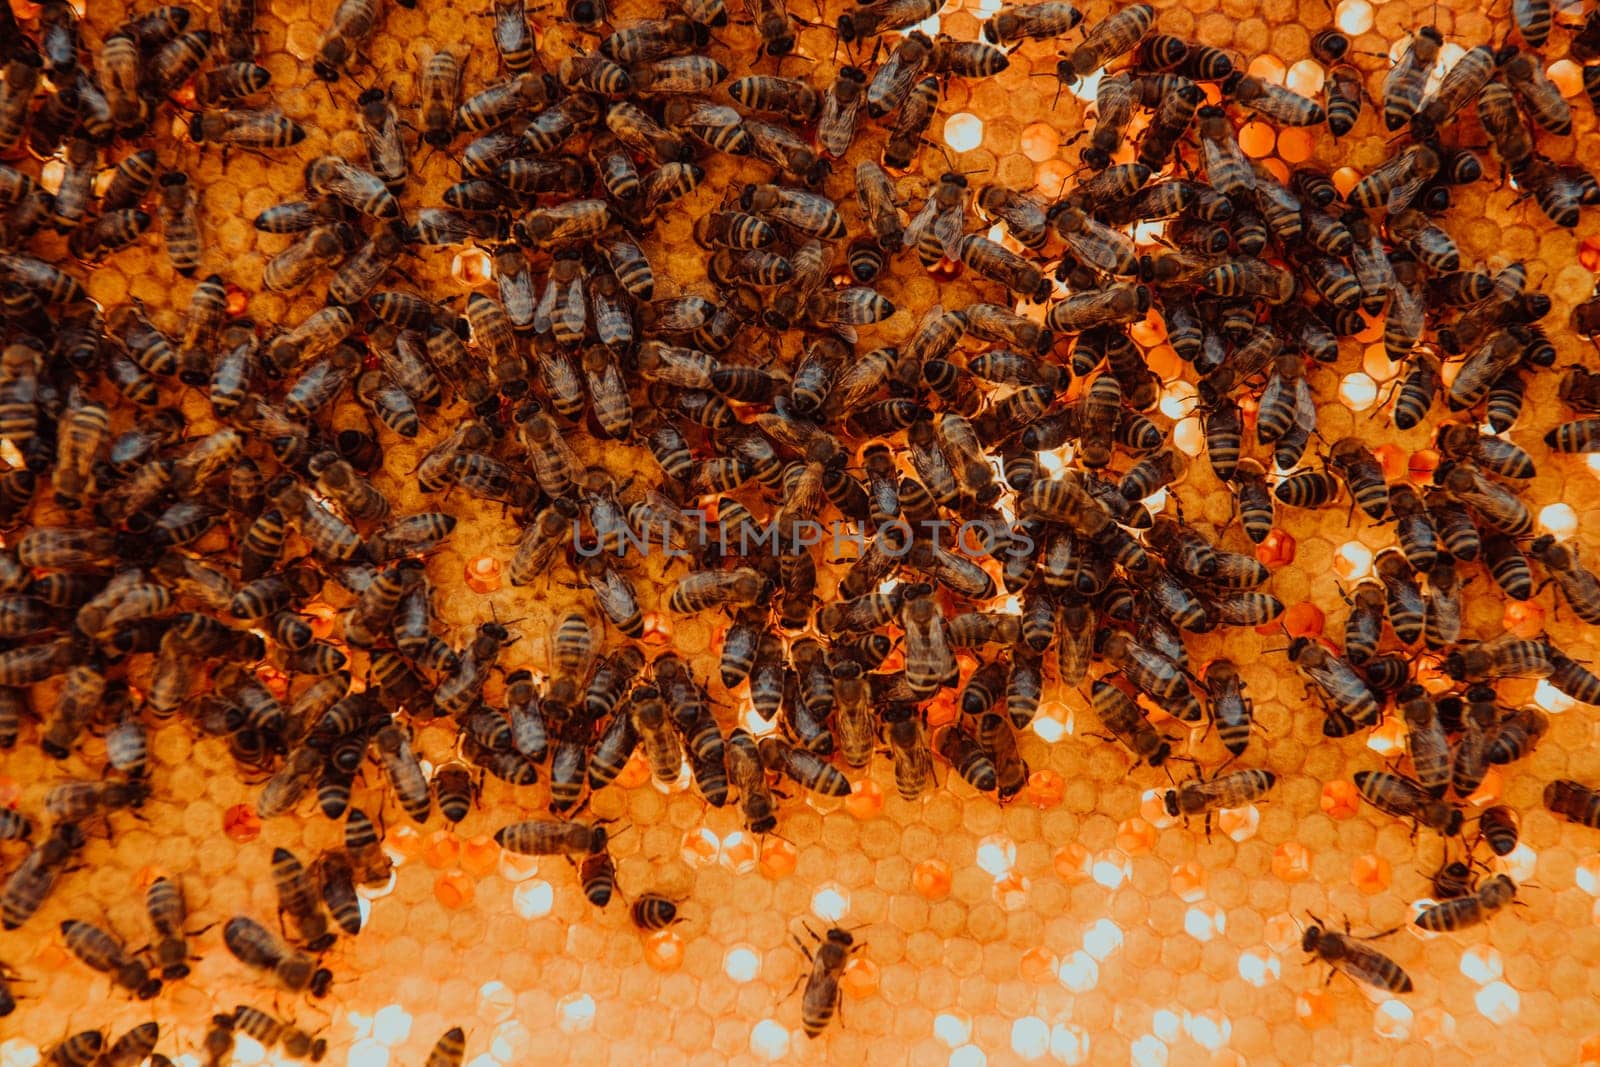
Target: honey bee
103 952
1113 36
1205 796
1351 703
81 1049
297 898
910 123
1276 103
551 837
1572 801
352 23
245 128
1462 82
438 87
450 1050
18 83
1576 582
882 16
1492 894
254 945
651 911
1352 956
1407 799
495 105
1403 86
513 37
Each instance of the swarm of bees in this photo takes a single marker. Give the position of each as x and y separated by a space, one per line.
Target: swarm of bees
196 525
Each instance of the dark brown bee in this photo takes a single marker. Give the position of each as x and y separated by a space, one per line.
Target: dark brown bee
1492 895
552 837
1350 701
254 945
1011 23
653 912
1352 956
103 952
1407 799
827 958
247 129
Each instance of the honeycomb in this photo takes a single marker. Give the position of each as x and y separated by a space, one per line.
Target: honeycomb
1078 923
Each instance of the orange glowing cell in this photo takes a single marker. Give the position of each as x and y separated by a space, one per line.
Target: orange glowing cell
1488 790
778 858
657 629
931 879
10 791
25 10
1053 174
1037 965
1345 179
972 541
700 846
1589 254
1276 549
441 849
1278 169
739 852
865 800
241 823
1589 1051
860 979
480 856
1370 874
663 950
1189 882
471 267
1011 892
946 270
52 957
1072 863
1393 459
184 97
1430 677
1389 738
1257 139
1149 331
1268 68
406 841
455 890
942 709
1304 619
1039 141
1524 618
1314 1008
238 301
322 618
514 866
1135 836
1291 862
483 574
275 680
1567 76
1340 799
635 772
1164 362
1045 789
1423 464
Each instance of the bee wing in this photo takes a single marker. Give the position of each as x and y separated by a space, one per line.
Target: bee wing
948 228
574 312
1402 194
1406 309
543 314
925 218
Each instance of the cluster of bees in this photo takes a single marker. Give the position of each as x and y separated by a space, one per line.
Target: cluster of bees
756 400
